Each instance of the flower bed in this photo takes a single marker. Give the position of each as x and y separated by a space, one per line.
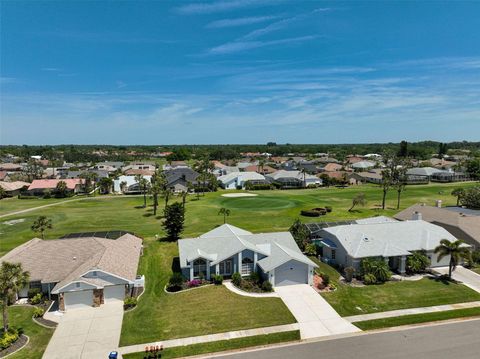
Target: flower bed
178 287
18 344
251 284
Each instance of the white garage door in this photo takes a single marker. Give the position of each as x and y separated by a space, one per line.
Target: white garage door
80 299
114 292
292 272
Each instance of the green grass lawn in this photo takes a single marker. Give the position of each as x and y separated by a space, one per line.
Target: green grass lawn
21 317
476 269
207 310
427 292
223 345
13 204
417 318
269 211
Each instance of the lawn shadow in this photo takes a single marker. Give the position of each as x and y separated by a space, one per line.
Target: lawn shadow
139 207
148 214
160 217
176 265
443 279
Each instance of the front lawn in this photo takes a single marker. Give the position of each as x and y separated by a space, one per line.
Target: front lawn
417 318
222 345
21 317
347 300
207 310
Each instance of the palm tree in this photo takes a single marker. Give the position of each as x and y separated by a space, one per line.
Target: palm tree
358 200
225 212
123 186
304 172
166 196
12 280
261 165
61 189
142 184
459 193
41 224
105 184
455 250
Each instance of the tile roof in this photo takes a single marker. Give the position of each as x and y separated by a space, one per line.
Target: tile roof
13 186
52 183
62 261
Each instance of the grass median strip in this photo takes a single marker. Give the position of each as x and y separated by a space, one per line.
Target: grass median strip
417 318
223 345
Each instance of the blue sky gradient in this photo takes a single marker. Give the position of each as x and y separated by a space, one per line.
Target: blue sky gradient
239 71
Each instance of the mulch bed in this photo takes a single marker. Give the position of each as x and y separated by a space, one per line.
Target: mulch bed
21 341
46 322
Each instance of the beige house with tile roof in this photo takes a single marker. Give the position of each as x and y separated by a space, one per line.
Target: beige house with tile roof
85 271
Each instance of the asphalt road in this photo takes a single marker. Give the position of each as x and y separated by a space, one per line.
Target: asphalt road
453 340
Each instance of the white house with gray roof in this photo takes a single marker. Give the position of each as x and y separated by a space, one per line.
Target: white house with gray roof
347 245
238 180
227 249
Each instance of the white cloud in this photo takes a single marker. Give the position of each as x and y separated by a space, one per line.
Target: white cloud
242 21
221 6
234 47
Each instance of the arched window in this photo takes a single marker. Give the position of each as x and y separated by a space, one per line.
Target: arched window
199 267
247 266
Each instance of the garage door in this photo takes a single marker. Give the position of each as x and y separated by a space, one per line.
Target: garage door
292 272
114 293
80 299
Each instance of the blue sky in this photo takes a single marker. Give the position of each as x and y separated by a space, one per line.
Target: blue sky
239 71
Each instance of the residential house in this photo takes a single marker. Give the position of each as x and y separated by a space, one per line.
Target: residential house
128 184
14 188
38 187
11 167
260 169
178 179
363 165
332 167
109 166
227 249
366 177
346 245
238 180
293 179
149 166
461 222
79 174
84 271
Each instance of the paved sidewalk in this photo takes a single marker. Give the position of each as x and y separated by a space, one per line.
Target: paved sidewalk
209 338
234 289
464 275
315 316
401 312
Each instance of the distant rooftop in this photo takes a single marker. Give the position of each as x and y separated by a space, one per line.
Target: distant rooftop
108 234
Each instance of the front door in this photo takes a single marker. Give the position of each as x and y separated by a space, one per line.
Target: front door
226 267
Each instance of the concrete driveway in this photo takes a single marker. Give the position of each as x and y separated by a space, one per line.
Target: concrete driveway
87 333
315 316
464 275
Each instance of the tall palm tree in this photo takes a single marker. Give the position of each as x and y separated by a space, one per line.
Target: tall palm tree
166 193
12 279
303 171
358 200
225 212
41 224
142 184
455 250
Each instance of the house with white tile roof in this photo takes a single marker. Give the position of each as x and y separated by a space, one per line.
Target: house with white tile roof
227 249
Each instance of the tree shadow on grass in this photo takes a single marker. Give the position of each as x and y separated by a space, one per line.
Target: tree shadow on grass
443 279
148 214
139 207
176 265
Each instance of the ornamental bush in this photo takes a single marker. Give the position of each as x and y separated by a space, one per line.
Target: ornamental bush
328 209
349 271
310 213
217 279
310 249
236 279
176 280
36 299
32 292
369 279
325 279
194 283
8 338
38 312
254 277
129 302
267 286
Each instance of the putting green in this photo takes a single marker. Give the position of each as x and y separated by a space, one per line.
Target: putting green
260 203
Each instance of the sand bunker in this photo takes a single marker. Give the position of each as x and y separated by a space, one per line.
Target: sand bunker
234 195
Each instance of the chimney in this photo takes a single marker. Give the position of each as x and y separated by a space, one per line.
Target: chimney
438 203
417 216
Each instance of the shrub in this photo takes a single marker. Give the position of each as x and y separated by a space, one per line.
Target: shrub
129 302
417 262
310 213
320 210
369 279
476 256
38 312
237 279
194 283
333 286
176 280
349 271
310 249
218 279
36 299
377 267
23 196
8 338
325 279
254 277
47 194
267 286
32 292
328 209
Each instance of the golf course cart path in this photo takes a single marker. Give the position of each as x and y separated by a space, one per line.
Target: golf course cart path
237 195
315 316
87 333
410 311
209 338
39 207
464 275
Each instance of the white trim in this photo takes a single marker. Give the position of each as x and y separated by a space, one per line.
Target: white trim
103 271
76 281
